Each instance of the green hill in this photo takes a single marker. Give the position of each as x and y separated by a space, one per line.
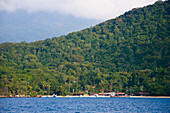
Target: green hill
127 54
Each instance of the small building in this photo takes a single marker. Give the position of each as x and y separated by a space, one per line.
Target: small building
17 96
93 94
112 94
39 96
132 94
86 95
120 94
106 94
141 93
79 94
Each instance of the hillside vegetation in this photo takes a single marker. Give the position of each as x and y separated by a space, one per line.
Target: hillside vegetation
127 54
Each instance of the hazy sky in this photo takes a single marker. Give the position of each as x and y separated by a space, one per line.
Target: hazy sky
32 20
90 9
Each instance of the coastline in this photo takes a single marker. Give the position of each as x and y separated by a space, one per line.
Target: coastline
149 96
70 96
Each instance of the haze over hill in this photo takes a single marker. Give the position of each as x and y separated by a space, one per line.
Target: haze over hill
27 20
22 26
127 54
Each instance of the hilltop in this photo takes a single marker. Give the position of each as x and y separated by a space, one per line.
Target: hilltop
127 54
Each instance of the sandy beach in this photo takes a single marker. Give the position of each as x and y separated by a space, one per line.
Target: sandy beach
149 96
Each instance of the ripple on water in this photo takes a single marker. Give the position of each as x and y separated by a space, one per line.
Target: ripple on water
91 105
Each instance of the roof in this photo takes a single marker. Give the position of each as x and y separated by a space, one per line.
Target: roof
79 93
120 93
104 93
94 93
142 92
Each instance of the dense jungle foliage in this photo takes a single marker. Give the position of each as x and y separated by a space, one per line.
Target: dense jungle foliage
127 54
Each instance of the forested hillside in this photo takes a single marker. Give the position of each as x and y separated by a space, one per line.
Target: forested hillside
127 54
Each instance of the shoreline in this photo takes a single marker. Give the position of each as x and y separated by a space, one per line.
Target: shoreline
149 96
68 96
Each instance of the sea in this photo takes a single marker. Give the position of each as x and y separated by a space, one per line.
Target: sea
84 105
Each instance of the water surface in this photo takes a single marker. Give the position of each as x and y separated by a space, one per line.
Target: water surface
89 105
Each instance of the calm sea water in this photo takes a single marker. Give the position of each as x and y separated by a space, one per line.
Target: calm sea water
81 105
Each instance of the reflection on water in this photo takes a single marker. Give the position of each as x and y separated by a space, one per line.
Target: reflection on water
84 105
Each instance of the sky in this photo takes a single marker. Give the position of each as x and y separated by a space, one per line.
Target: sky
33 20
91 9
